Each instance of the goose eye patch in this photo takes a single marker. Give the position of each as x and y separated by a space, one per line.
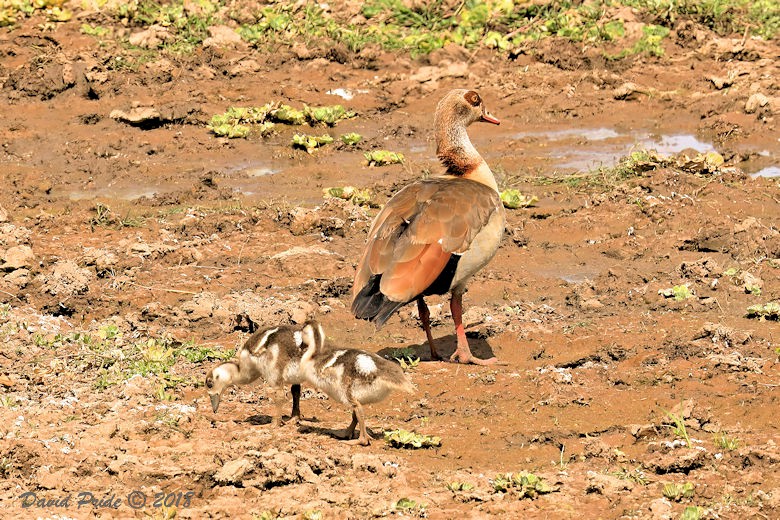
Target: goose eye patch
473 98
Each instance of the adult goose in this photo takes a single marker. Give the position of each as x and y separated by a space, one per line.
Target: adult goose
434 234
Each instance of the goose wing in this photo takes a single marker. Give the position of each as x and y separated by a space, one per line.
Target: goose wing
419 229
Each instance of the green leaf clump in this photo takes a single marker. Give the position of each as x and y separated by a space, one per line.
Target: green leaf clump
678 293
767 311
287 115
329 115
406 439
513 199
351 193
383 157
411 507
241 121
677 492
351 138
524 484
310 142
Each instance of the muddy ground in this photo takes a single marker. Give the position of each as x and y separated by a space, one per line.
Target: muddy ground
173 235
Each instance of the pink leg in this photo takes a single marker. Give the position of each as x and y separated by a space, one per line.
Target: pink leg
425 318
462 353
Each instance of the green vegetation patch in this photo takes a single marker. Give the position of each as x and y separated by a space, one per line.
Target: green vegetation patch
692 513
383 157
116 357
767 311
351 138
524 484
411 507
411 440
422 27
678 293
677 492
351 193
726 442
242 121
724 17
514 199
328 115
310 142
186 20
12 11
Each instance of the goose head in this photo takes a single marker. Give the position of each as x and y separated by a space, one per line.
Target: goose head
454 113
460 108
219 379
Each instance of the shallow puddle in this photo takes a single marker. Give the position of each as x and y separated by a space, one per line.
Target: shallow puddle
581 149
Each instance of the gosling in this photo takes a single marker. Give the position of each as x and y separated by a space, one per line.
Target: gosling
273 354
350 376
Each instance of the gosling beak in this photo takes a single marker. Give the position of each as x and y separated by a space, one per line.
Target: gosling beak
214 402
487 117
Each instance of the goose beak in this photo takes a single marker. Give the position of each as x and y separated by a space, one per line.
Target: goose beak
487 117
214 402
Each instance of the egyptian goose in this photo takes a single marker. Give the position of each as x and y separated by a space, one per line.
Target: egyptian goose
350 376
434 234
273 354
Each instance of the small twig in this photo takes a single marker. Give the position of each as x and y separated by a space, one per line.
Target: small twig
745 36
241 252
178 291
11 295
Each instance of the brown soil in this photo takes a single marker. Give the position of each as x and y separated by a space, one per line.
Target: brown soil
198 245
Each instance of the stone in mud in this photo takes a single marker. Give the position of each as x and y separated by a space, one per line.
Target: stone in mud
248 66
137 386
755 102
660 509
751 283
136 115
233 472
18 278
67 279
607 485
369 463
698 269
151 38
47 479
201 306
102 259
679 460
303 221
3 214
223 36
716 332
17 258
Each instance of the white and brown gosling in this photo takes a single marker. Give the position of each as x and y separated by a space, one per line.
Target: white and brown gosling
273 354
435 234
350 376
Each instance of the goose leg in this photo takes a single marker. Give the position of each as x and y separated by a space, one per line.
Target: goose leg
295 415
357 415
425 318
277 419
462 353
351 429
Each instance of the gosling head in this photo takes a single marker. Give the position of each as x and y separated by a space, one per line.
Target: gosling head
313 335
218 380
